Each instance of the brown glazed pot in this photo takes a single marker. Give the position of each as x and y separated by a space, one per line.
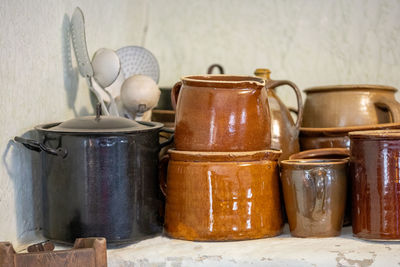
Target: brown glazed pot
315 196
284 132
223 196
350 105
313 138
221 113
374 168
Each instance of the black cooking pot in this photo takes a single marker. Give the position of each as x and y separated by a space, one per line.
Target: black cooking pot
100 178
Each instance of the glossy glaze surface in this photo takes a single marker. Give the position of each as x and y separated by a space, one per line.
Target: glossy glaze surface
375 184
350 105
284 131
223 200
221 113
313 138
315 196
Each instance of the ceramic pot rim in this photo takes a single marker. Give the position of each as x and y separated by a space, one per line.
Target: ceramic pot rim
377 134
340 131
349 87
202 156
321 153
313 162
223 81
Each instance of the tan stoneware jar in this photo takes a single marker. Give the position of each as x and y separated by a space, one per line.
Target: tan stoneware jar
374 169
217 196
284 132
221 113
350 105
314 192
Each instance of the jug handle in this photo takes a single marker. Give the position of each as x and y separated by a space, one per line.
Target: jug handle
391 105
36 146
276 83
162 174
213 66
175 93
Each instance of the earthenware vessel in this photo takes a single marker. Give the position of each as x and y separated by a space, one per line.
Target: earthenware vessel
284 132
315 196
374 168
223 195
350 105
312 138
221 113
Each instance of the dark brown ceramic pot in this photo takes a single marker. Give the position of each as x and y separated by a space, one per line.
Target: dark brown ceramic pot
221 113
313 138
284 132
223 196
374 168
315 196
350 105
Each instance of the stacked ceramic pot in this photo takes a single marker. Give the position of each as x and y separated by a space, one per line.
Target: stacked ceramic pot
222 179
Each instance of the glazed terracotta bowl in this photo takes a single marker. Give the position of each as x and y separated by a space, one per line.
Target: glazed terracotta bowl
350 105
314 192
374 169
223 196
221 113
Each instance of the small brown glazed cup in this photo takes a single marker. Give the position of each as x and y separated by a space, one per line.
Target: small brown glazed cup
221 196
374 172
315 196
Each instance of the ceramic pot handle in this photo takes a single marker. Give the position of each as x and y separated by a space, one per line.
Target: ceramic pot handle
162 174
391 105
276 83
334 152
213 66
175 93
318 179
36 146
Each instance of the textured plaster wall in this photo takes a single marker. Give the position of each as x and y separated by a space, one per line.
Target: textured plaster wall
39 83
310 42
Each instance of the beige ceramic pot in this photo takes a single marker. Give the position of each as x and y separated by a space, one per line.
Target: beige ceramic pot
350 105
223 196
284 132
221 113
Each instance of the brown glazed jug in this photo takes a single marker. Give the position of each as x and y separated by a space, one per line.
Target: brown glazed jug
284 132
221 113
374 170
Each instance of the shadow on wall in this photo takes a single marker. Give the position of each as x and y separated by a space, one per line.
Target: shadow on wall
70 74
23 167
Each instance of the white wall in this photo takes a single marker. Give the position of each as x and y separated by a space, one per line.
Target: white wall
310 42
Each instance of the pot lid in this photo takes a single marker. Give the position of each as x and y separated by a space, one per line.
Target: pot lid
99 125
376 135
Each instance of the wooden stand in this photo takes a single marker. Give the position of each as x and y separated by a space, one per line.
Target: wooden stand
88 252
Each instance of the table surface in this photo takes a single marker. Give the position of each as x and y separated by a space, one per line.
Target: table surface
282 250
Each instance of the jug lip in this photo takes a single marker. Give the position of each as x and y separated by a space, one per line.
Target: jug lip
313 162
223 80
206 156
343 87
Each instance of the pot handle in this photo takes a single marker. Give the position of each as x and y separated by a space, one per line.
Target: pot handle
213 66
170 139
175 93
276 83
162 174
391 105
36 146
316 185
